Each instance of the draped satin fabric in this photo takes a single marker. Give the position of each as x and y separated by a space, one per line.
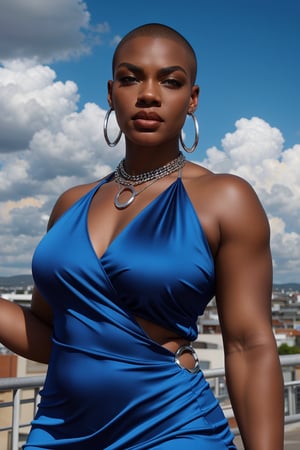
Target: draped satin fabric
108 385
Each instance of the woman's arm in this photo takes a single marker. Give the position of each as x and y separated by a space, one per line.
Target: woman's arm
244 286
27 331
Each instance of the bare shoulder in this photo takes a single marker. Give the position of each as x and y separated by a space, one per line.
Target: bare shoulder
67 199
238 203
230 201
222 187
199 175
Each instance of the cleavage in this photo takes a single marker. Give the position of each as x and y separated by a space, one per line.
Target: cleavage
105 222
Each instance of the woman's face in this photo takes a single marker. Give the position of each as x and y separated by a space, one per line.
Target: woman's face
152 90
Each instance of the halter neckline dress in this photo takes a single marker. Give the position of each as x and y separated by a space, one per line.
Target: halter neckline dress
108 385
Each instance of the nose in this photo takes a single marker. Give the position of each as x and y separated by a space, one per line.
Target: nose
149 94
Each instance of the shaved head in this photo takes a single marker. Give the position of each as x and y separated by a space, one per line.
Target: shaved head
158 30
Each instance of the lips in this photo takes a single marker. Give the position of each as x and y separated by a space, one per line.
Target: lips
147 120
145 115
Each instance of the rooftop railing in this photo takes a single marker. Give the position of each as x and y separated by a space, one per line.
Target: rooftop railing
23 393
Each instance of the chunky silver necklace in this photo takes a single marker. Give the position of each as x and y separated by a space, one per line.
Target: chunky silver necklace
126 182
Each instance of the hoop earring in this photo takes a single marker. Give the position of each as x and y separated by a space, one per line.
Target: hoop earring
105 123
196 140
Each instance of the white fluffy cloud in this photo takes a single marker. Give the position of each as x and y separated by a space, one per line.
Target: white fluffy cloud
38 29
47 145
285 249
255 152
30 100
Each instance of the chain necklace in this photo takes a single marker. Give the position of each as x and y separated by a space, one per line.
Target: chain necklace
126 182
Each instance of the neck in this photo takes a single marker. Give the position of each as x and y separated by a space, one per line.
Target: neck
124 178
143 159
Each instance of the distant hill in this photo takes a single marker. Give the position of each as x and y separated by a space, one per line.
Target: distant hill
16 281
287 286
26 280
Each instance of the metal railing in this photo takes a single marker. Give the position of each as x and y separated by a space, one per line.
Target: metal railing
32 385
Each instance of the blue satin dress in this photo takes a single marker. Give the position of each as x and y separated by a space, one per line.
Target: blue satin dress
108 385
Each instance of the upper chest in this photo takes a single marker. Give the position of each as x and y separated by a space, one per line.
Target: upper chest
105 222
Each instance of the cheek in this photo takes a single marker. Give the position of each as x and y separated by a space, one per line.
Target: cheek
122 111
124 118
178 115
178 106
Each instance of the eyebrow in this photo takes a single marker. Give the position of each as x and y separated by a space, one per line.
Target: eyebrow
163 71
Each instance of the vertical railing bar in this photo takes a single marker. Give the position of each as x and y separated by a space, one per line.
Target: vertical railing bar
290 401
16 419
36 399
293 399
217 386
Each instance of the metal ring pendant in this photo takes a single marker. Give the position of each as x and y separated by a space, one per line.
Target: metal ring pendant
123 205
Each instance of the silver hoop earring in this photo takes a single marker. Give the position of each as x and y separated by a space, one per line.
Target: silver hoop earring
196 140
105 123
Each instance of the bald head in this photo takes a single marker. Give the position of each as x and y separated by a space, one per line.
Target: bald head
157 30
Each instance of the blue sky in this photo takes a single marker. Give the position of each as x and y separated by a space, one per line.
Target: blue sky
55 60
248 55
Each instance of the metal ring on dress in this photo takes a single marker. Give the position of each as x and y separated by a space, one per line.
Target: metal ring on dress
192 351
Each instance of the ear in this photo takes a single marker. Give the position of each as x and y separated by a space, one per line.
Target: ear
109 92
194 98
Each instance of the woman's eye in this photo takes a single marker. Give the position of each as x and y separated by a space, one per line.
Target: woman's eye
128 79
172 82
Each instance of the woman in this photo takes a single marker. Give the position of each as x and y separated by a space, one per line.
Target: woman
127 266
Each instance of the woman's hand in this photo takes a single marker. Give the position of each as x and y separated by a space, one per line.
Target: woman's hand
27 331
